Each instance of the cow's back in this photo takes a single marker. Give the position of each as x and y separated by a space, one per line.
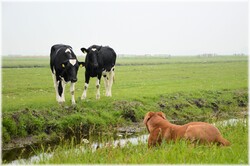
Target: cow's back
107 58
55 48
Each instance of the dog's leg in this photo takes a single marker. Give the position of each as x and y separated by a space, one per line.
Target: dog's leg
155 138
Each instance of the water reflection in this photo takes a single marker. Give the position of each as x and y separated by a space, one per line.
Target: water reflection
94 146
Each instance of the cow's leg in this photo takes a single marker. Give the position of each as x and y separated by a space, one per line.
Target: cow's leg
106 83
55 85
63 90
110 81
84 94
98 86
72 92
60 91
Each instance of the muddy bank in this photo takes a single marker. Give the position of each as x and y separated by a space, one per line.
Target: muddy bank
34 140
104 116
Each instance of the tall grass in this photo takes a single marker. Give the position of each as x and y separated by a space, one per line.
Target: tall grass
180 152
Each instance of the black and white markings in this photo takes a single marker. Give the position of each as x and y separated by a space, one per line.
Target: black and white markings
99 61
64 66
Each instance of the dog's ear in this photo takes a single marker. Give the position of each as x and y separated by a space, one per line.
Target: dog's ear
161 114
147 116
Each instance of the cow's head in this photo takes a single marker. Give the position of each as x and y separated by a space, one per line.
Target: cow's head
70 67
92 55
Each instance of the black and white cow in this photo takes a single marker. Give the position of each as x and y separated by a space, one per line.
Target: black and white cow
99 61
64 66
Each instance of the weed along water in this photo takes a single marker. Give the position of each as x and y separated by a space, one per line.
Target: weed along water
28 150
81 148
33 154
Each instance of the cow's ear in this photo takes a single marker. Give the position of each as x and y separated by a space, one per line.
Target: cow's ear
161 114
81 64
97 47
84 50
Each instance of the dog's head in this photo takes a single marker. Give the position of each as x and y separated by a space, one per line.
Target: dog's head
151 114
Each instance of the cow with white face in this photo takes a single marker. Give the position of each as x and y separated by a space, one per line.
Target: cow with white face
64 67
99 61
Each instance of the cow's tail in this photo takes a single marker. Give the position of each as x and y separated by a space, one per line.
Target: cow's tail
113 69
52 50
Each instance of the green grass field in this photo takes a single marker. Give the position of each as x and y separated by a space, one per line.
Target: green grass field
184 88
33 87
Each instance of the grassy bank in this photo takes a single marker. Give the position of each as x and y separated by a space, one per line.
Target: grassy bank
184 107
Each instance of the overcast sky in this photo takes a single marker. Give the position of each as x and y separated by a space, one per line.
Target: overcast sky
150 27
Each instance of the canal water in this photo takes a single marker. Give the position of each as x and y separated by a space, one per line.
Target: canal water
95 145
119 136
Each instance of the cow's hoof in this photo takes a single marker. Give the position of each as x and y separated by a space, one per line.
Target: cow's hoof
73 104
61 103
108 95
83 97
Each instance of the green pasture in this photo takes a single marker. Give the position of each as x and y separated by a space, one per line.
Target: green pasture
143 78
185 88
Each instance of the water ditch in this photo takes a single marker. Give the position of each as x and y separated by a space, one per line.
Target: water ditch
123 136
94 146
27 149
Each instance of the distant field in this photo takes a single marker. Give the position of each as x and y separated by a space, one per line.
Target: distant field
43 61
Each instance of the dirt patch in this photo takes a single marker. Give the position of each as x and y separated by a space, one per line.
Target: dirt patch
199 103
131 129
128 109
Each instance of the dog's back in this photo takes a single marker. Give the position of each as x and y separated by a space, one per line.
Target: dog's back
204 132
161 129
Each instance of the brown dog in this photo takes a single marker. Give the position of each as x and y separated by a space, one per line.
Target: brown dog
161 129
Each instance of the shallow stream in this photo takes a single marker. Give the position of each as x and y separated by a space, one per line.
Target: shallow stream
95 145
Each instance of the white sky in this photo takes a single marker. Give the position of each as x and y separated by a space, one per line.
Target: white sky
142 27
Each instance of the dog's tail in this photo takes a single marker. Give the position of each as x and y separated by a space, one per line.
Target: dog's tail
223 141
